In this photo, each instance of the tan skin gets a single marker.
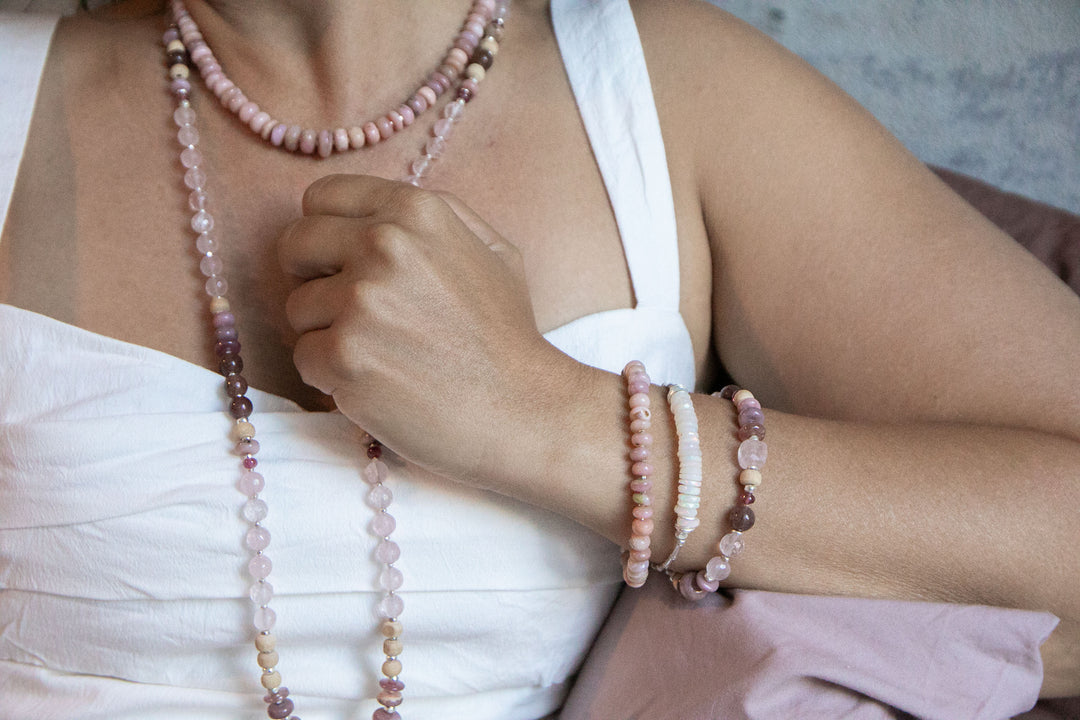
(924, 430)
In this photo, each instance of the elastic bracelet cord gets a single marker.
(751, 457)
(636, 562)
(689, 453)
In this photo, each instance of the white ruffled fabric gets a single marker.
(122, 571)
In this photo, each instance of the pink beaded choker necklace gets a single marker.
(472, 54)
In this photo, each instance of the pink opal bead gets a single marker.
(638, 387)
(641, 439)
(407, 115)
(246, 447)
(200, 53)
(308, 141)
(371, 133)
(639, 454)
(750, 402)
(386, 128)
(384, 714)
(227, 95)
(292, 137)
(688, 590)
(639, 400)
(356, 137)
(638, 542)
(258, 121)
(170, 35)
(247, 111)
(457, 59)
(277, 135)
(180, 87)
(427, 94)
(341, 140)
(325, 141)
(641, 413)
(389, 699)
(642, 526)
(639, 555)
(641, 469)
(396, 120)
(417, 104)
(637, 426)
(639, 485)
(637, 568)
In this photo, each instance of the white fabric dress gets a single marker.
(122, 573)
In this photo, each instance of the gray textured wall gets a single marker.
(990, 88)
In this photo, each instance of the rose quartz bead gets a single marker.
(259, 567)
(341, 140)
(751, 416)
(442, 127)
(257, 538)
(390, 578)
(383, 524)
(184, 116)
(453, 110)
(202, 222)
(717, 568)
(254, 510)
(750, 402)
(261, 592)
(435, 147)
(264, 619)
(211, 265)
(391, 606)
(380, 497)
(277, 135)
(731, 544)
(195, 178)
(376, 471)
(292, 137)
(190, 157)
(754, 430)
(187, 135)
(420, 165)
(752, 454)
(308, 141)
(251, 483)
(387, 551)
(371, 133)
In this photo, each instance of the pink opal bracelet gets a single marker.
(751, 457)
(636, 563)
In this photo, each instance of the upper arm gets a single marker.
(848, 281)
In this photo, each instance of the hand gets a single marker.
(415, 316)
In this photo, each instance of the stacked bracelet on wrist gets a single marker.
(751, 457)
(636, 564)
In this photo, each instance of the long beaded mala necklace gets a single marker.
(465, 64)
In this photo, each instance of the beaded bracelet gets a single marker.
(636, 564)
(689, 453)
(751, 456)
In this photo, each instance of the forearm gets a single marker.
(951, 513)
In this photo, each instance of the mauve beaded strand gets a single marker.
(469, 56)
(231, 365)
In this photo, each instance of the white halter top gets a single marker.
(122, 584)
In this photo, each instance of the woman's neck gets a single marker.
(325, 62)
